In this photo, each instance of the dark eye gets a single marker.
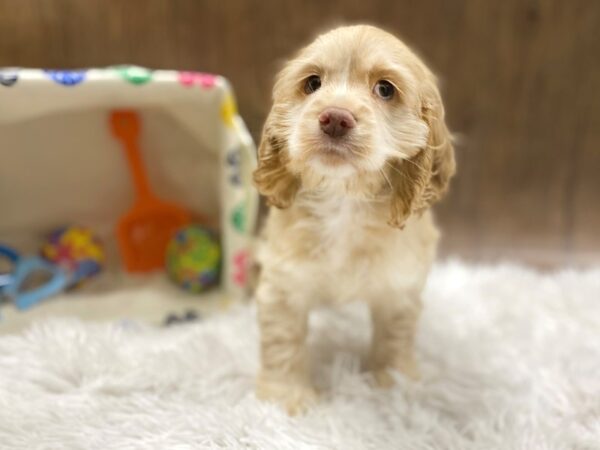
(384, 89)
(313, 83)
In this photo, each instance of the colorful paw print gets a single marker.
(228, 110)
(66, 77)
(204, 80)
(233, 161)
(240, 267)
(238, 218)
(8, 78)
(134, 74)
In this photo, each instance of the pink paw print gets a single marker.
(240, 267)
(205, 80)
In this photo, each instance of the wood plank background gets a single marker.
(520, 80)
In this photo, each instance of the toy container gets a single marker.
(60, 164)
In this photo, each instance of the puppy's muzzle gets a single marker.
(336, 122)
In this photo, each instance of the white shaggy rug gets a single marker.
(510, 360)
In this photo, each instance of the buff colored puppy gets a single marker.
(354, 152)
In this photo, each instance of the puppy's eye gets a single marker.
(384, 89)
(313, 83)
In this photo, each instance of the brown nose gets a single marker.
(336, 122)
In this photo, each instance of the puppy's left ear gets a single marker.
(423, 179)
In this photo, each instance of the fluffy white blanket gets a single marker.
(510, 360)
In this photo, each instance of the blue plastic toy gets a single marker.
(12, 285)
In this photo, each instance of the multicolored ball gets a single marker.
(193, 259)
(77, 250)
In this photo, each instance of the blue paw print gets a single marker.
(8, 77)
(233, 160)
(66, 77)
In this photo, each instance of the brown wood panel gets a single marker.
(520, 79)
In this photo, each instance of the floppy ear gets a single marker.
(423, 179)
(272, 177)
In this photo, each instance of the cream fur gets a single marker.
(352, 222)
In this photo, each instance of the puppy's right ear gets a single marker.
(272, 178)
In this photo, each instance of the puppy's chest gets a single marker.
(339, 234)
(352, 252)
(346, 234)
(345, 250)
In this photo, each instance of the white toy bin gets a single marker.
(60, 164)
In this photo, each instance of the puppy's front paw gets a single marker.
(294, 397)
(383, 378)
(408, 368)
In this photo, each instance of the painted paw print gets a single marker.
(66, 77)
(233, 161)
(8, 78)
(176, 319)
(228, 110)
(238, 217)
(205, 80)
(240, 267)
(134, 74)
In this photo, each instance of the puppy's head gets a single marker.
(358, 109)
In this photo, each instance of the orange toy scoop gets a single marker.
(145, 230)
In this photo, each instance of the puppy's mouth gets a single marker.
(336, 151)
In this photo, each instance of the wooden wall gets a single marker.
(520, 80)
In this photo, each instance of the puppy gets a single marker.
(353, 153)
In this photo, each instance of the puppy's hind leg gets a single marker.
(394, 329)
(284, 376)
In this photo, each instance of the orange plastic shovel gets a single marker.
(144, 231)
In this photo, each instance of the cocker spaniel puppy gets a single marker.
(354, 152)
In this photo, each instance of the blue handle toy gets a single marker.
(12, 257)
(11, 284)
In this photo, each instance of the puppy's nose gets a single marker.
(336, 122)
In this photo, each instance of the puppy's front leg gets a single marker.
(284, 376)
(394, 328)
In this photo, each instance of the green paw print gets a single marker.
(238, 218)
(134, 74)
